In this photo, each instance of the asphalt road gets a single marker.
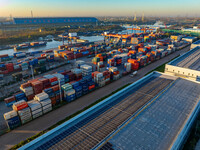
(21, 133)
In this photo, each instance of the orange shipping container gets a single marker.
(132, 61)
(25, 85)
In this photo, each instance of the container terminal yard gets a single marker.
(131, 117)
(41, 123)
(98, 65)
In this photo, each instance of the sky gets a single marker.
(71, 8)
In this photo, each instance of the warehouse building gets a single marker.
(189, 39)
(176, 37)
(195, 44)
(155, 112)
(196, 30)
(186, 66)
(56, 20)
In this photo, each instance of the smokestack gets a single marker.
(143, 16)
(31, 13)
(135, 18)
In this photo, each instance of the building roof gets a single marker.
(189, 37)
(49, 20)
(161, 124)
(190, 60)
(197, 42)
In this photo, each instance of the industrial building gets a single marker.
(195, 44)
(155, 112)
(189, 39)
(176, 37)
(54, 20)
(196, 30)
(186, 66)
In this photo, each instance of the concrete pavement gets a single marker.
(14, 137)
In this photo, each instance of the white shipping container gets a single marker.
(37, 115)
(24, 111)
(45, 102)
(10, 114)
(42, 96)
(36, 111)
(34, 105)
(16, 67)
(47, 110)
(46, 107)
(26, 120)
(102, 83)
(25, 116)
(113, 69)
(72, 34)
(116, 77)
(70, 92)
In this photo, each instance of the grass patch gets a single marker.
(64, 120)
(161, 68)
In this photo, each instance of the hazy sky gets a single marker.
(22, 8)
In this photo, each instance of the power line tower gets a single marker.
(143, 16)
(135, 18)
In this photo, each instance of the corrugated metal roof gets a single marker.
(49, 20)
(190, 60)
(189, 37)
(159, 126)
(197, 42)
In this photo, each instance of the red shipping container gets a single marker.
(10, 67)
(33, 80)
(106, 73)
(41, 58)
(95, 73)
(91, 87)
(30, 97)
(45, 82)
(68, 71)
(25, 85)
(9, 99)
(37, 87)
(4, 72)
(43, 55)
(55, 88)
(53, 79)
(20, 106)
(78, 78)
(4, 55)
(72, 82)
(63, 73)
(19, 69)
(71, 76)
(53, 100)
(57, 97)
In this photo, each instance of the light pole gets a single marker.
(62, 39)
(95, 50)
(32, 71)
(74, 56)
(60, 90)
